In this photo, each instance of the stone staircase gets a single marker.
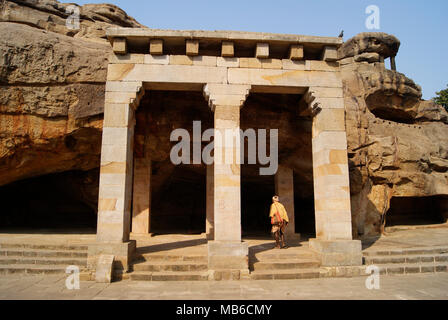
(283, 264)
(169, 267)
(405, 261)
(31, 259)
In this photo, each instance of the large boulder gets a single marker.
(370, 44)
(52, 81)
(398, 143)
(53, 16)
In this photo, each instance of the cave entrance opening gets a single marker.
(256, 199)
(179, 205)
(279, 111)
(305, 221)
(414, 211)
(55, 203)
(177, 192)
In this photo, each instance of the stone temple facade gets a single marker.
(226, 68)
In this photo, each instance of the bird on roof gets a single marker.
(341, 35)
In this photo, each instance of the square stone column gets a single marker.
(141, 204)
(210, 194)
(284, 188)
(331, 180)
(115, 192)
(116, 173)
(227, 254)
(227, 191)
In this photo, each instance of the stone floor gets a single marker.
(418, 286)
(196, 244)
(415, 286)
(409, 238)
(48, 236)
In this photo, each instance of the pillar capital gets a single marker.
(226, 94)
(308, 106)
(129, 93)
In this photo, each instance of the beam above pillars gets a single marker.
(296, 52)
(120, 46)
(228, 49)
(192, 47)
(330, 53)
(156, 47)
(262, 50)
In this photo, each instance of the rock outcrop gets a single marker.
(52, 81)
(398, 143)
(51, 15)
(370, 44)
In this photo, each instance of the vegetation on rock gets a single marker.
(442, 98)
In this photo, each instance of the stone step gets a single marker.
(161, 266)
(405, 259)
(410, 251)
(275, 256)
(414, 268)
(42, 253)
(169, 276)
(43, 261)
(43, 246)
(285, 274)
(32, 269)
(283, 264)
(170, 257)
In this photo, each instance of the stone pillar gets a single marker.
(331, 181)
(393, 65)
(284, 188)
(115, 190)
(141, 204)
(227, 195)
(210, 194)
(227, 254)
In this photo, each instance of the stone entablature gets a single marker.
(223, 43)
(280, 76)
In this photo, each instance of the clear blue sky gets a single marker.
(421, 26)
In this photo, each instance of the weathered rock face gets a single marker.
(370, 44)
(52, 83)
(52, 16)
(398, 144)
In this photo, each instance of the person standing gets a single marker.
(279, 222)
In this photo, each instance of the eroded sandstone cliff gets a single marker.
(398, 143)
(52, 82)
